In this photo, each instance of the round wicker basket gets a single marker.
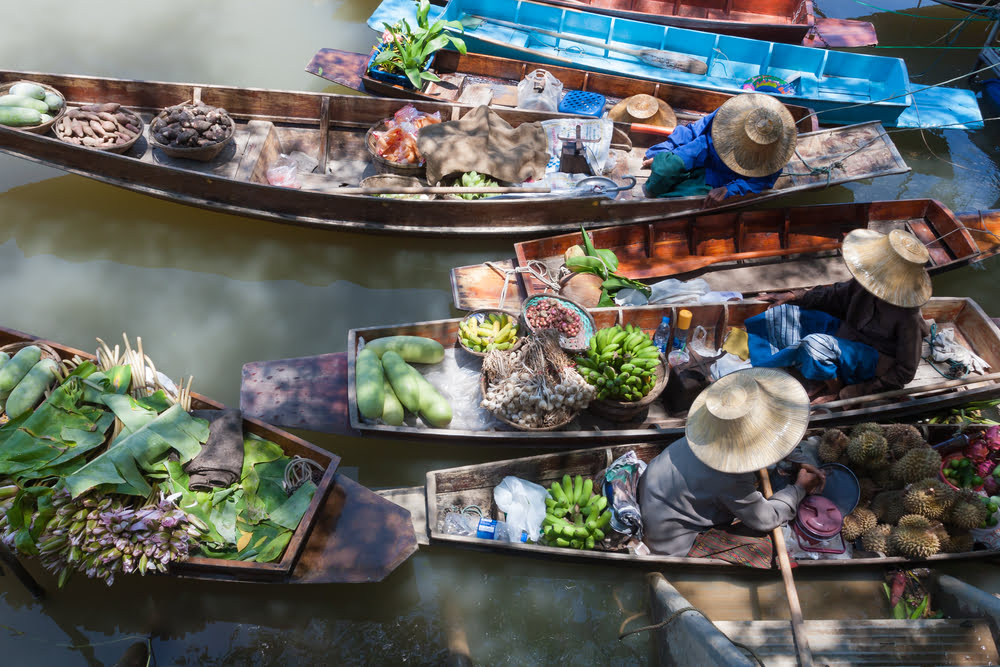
(47, 351)
(521, 427)
(383, 166)
(481, 314)
(41, 128)
(200, 153)
(623, 411)
(588, 327)
(114, 148)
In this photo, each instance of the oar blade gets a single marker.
(668, 60)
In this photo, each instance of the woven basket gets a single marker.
(200, 153)
(383, 166)
(519, 427)
(588, 327)
(41, 128)
(484, 312)
(47, 351)
(623, 411)
(116, 148)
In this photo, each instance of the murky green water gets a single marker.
(210, 292)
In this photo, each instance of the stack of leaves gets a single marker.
(603, 263)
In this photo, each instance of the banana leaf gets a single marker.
(289, 513)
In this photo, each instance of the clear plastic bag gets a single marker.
(539, 91)
(284, 173)
(621, 481)
(524, 504)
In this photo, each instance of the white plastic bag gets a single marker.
(539, 91)
(524, 503)
(672, 290)
(284, 173)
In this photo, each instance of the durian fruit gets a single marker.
(902, 438)
(888, 506)
(967, 512)
(877, 539)
(928, 497)
(914, 537)
(885, 481)
(856, 523)
(868, 489)
(832, 445)
(917, 464)
(858, 429)
(868, 449)
(958, 542)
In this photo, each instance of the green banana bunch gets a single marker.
(621, 363)
(970, 413)
(575, 517)
(496, 331)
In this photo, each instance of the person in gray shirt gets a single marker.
(741, 423)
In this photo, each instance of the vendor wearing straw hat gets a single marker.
(855, 337)
(739, 148)
(692, 492)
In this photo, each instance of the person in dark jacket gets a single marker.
(739, 148)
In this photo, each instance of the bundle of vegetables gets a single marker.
(971, 413)
(535, 385)
(27, 104)
(575, 516)
(385, 383)
(24, 379)
(586, 258)
(978, 463)
(621, 363)
(473, 179)
(488, 332)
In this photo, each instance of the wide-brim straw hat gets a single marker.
(748, 420)
(754, 134)
(644, 109)
(890, 266)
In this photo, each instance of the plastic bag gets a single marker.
(621, 481)
(524, 503)
(672, 290)
(727, 364)
(284, 172)
(539, 91)
(596, 134)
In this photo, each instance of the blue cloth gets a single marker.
(693, 144)
(789, 336)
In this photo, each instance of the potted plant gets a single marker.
(406, 52)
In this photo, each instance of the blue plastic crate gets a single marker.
(583, 103)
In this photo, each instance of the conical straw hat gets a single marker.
(754, 134)
(890, 266)
(748, 420)
(644, 109)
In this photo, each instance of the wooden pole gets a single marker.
(794, 609)
(906, 391)
(14, 565)
(439, 190)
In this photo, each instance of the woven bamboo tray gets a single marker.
(41, 128)
(481, 314)
(588, 327)
(383, 166)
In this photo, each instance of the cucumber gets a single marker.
(24, 102)
(411, 348)
(434, 408)
(19, 116)
(369, 384)
(18, 366)
(4, 357)
(28, 89)
(403, 379)
(392, 409)
(31, 388)
(54, 102)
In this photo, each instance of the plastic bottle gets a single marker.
(681, 330)
(492, 529)
(661, 337)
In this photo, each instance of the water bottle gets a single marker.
(661, 337)
(681, 330)
(492, 529)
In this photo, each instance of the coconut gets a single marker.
(917, 464)
(928, 497)
(902, 438)
(858, 522)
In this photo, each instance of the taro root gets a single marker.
(98, 125)
(192, 126)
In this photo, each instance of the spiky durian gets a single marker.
(868, 449)
(832, 445)
(928, 497)
(885, 481)
(917, 464)
(914, 537)
(877, 539)
(888, 506)
(858, 429)
(967, 512)
(868, 489)
(902, 438)
(858, 522)
(958, 542)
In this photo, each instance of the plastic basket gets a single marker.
(583, 103)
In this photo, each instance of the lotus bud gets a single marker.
(143, 564)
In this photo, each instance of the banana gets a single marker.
(560, 542)
(567, 484)
(648, 353)
(619, 337)
(589, 542)
(557, 492)
(598, 535)
(577, 490)
(588, 491)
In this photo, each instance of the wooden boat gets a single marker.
(788, 21)
(748, 252)
(349, 534)
(842, 87)
(467, 76)
(317, 393)
(473, 485)
(331, 129)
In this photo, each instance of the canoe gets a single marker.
(331, 129)
(318, 393)
(349, 534)
(473, 485)
(748, 252)
(791, 21)
(842, 87)
(463, 76)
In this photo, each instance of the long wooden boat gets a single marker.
(842, 87)
(748, 252)
(465, 76)
(331, 129)
(473, 485)
(349, 534)
(317, 393)
(788, 21)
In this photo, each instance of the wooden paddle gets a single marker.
(694, 263)
(794, 609)
(438, 190)
(654, 57)
(906, 391)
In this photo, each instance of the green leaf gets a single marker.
(586, 264)
(919, 611)
(289, 513)
(588, 246)
(413, 74)
(273, 549)
(120, 377)
(609, 258)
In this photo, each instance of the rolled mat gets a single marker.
(221, 459)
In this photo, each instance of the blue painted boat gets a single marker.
(844, 88)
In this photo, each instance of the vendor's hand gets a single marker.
(777, 298)
(715, 197)
(853, 391)
(647, 163)
(811, 478)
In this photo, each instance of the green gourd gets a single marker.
(14, 370)
(404, 380)
(31, 388)
(410, 348)
(434, 408)
(369, 384)
(392, 409)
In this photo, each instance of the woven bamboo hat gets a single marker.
(890, 266)
(748, 420)
(644, 109)
(754, 134)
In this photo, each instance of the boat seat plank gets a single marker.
(252, 167)
(939, 254)
(413, 499)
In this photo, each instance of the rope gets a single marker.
(918, 16)
(297, 472)
(535, 267)
(677, 613)
(828, 168)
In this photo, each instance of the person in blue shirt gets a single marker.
(738, 149)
